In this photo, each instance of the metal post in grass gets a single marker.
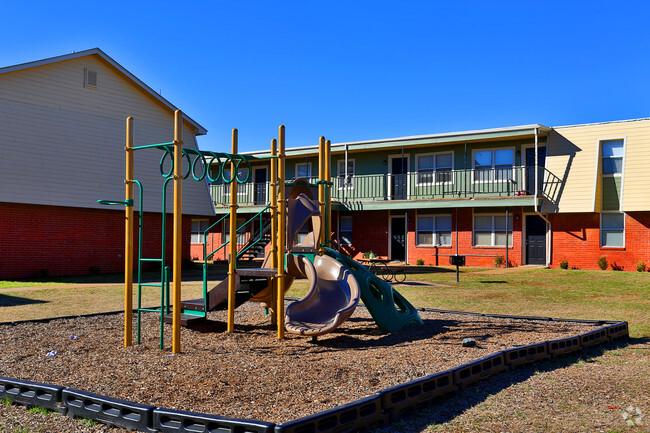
(178, 230)
(128, 235)
(282, 236)
(233, 234)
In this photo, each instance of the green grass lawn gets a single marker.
(574, 294)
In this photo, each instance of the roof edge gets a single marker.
(449, 135)
(96, 51)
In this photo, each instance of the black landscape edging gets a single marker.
(178, 421)
(108, 410)
(358, 415)
(32, 394)
(385, 407)
(402, 398)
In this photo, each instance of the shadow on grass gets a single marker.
(443, 411)
(12, 301)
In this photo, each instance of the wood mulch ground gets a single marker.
(249, 373)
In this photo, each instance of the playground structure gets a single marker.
(336, 281)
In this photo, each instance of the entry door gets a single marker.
(535, 240)
(398, 170)
(260, 186)
(397, 239)
(530, 169)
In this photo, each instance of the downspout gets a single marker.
(549, 242)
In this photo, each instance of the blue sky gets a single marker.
(359, 70)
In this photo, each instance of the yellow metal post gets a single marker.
(178, 229)
(128, 237)
(282, 235)
(328, 192)
(232, 260)
(274, 227)
(321, 190)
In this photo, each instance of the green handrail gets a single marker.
(261, 234)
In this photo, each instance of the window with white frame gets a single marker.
(90, 78)
(494, 165)
(434, 167)
(198, 227)
(434, 230)
(345, 230)
(612, 229)
(490, 231)
(303, 170)
(612, 157)
(342, 180)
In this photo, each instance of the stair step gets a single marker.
(257, 272)
(186, 319)
(194, 304)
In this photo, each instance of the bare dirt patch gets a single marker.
(249, 373)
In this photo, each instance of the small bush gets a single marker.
(564, 264)
(419, 262)
(641, 266)
(499, 261)
(369, 255)
(602, 263)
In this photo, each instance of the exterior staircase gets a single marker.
(257, 243)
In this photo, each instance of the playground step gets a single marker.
(193, 304)
(258, 272)
(186, 319)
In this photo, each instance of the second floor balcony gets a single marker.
(376, 189)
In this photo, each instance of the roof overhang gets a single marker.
(495, 134)
(97, 52)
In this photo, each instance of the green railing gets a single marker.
(421, 185)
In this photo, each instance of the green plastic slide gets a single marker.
(390, 310)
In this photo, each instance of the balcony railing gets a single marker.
(421, 185)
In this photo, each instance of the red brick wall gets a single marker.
(369, 233)
(428, 254)
(56, 240)
(576, 239)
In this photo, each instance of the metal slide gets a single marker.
(332, 297)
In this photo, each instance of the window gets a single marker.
(493, 165)
(198, 227)
(241, 235)
(612, 157)
(343, 181)
(612, 230)
(434, 168)
(303, 169)
(434, 230)
(90, 78)
(345, 230)
(490, 230)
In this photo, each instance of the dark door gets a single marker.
(535, 240)
(530, 169)
(398, 179)
(260, 186)
(397, 239)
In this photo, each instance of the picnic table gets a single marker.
(380, 268)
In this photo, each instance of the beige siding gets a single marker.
(574, 156)
(63, 144)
